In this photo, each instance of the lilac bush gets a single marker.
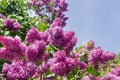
(46, 51)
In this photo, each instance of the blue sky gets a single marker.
(97, 20)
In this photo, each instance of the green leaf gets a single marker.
(72, 74)
(93, 71)
(4, 2)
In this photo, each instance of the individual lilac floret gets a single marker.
(19, 71)
(106, 56)
(13, 48)
(11, 25)
(35, 51)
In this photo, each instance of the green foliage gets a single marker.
(19, 11)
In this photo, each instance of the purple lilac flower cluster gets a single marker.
(62, 65)
(97, 55)
(13, 49)
(62, 39)
(11, 25)
(19, 70)
(52, 9)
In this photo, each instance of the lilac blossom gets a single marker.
(33, 34)
(11, 25)
(35, 51)
(19, 70)
(62, 65)
(95, 56)
(106, 56)
(13, 48)
(62, 39)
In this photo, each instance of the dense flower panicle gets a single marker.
(95, 56)
(59, 68)
(32, 53)
(11, 25)
(19, 70)
(60, 55)
(32, 35)
(10, 55)
(35, 51)
(70, 45)
(61, 39)
(56, 36)
(71, 63)
(62, 65)
(106, 56)
(13, 48)
(13, 44)
(68, 35)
